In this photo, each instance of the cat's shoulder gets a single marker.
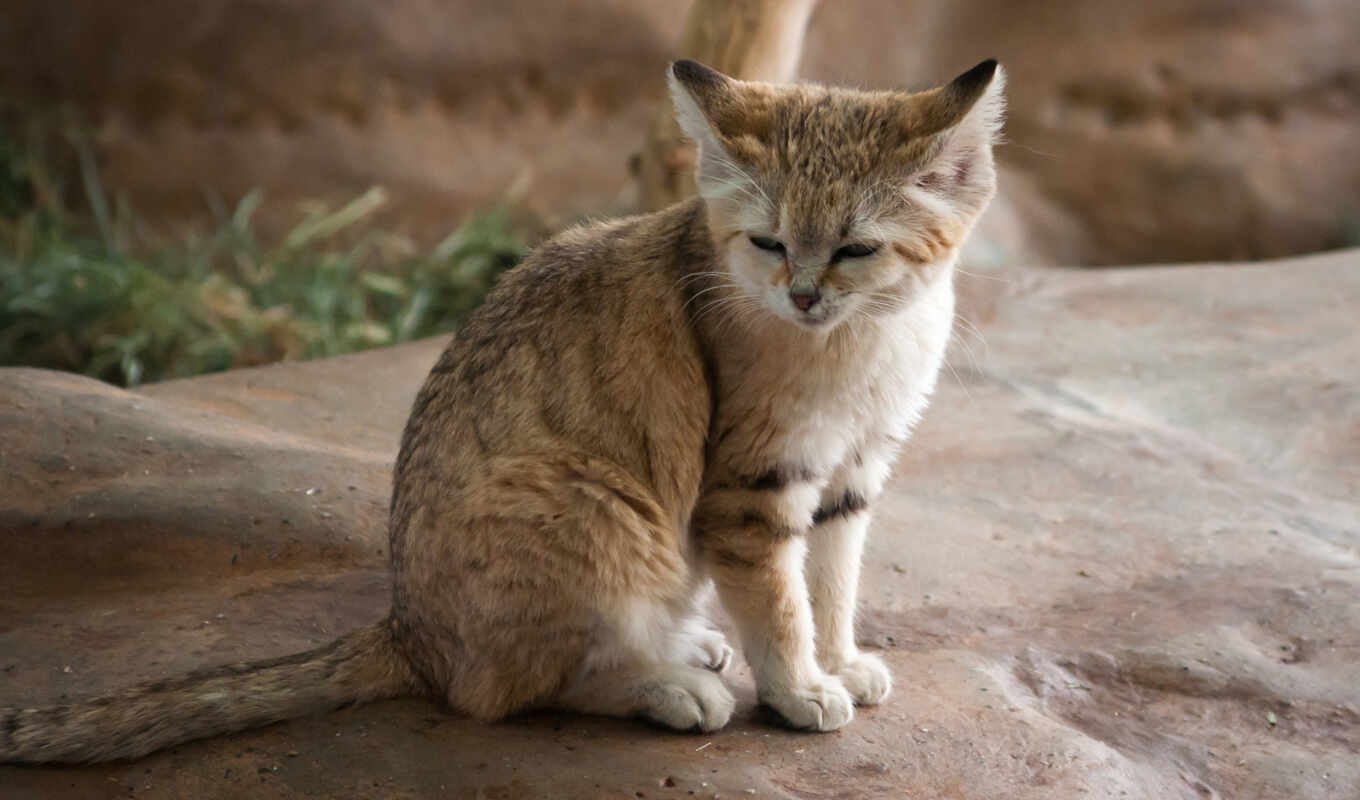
(666, 239)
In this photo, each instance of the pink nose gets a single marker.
(805, 298)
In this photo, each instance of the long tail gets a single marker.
(361, 666)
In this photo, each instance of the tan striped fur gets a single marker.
(643, 409)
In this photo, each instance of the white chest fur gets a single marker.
(870, 381)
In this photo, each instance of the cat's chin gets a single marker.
(811, 324)
(814, 324)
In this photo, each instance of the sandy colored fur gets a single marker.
(629, 417)
(638, 410)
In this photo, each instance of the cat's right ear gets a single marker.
(708, 110)
(699, 93)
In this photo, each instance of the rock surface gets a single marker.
(1119, 559)
(1167, 130)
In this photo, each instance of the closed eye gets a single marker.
(766, 243)
(856, 250)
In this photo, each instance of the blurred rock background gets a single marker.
(1169, 130)
(1120, 556)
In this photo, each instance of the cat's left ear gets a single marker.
(962, 120)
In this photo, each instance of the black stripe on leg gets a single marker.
(750, 519)
(723, 557)
(849, 503)
(755, 519)
(775, 478)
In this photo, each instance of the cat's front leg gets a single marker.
(753, 542)
(835, 549)
(835, 545)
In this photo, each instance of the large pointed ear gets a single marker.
(712, 111)
(697, 92)
(960, 122)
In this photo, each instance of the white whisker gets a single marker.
(984, 276)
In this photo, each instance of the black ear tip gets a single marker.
(978, 76)
(692, 73)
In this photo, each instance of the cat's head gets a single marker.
(830, 203)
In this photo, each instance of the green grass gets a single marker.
(79, 293)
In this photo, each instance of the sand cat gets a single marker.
(713, 394)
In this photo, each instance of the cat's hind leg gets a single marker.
(655, 660)
(678, 696)
(694, 641)
(565, 587)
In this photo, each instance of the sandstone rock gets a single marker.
(1158, 131)
(448, 105)
(1118, 557)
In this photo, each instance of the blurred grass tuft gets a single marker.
(77, 295)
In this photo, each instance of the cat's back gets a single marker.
(592, 282)
(585, 346)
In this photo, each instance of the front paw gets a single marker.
(822, 704)
(867, 679)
